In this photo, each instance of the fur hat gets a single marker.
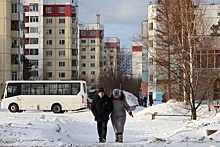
(116, 92)
(101, 90)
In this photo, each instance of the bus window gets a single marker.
(64, 89)
(37, 89)
(13, 90)
(75, 88)
(50, 89)
(25, 89)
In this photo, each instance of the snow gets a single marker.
(78, 128)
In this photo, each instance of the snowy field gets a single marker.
(78, 128)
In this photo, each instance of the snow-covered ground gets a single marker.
(78, 128)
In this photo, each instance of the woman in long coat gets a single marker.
(118, 115)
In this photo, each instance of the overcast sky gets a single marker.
(121, 18)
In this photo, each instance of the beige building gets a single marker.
(10, 40)
(90, 50)
(51, 38)
(110, 55)
(136, 59)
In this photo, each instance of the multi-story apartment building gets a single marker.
(11, 41)
(90, 51)
(110, 55)
(211, 16)
(50, 37)
(126, 61)
(137, 59)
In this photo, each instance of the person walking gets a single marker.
(101, 108)
(145, 101)
(151, 100)
(118, 115)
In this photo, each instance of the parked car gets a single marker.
(89, 102)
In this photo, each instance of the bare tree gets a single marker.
(180, 39)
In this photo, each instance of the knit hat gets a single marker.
(101, 90)
(116, 92)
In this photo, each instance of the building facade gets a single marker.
(11, 41)
(136, 59)
(50, 38)
(211, 16)
(90, 51)
(126, 61)
(110, 55)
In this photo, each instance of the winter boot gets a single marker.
(120, 138)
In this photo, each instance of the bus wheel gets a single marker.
(13, 108)
(56, 108)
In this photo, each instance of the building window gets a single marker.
(73, 62)
(92, 41)
(83, 57)
(92, 72)
(48, 31)
(14, 76)
(73, 19)
(61, 31)
(14, 8)
(33, 51)
(61, 53)
(111, 63)
(73, 9)
(73, 41)
(25, 10)
(83, 65)
(92, 65)
(83, 49)
(93, 49)
(34, 7)
(49, 74)
(62, 9)
(92, 33)
(92, 80)
(83, 41)
(48, 10)
(83, 33)
(33, 40)
(61, 20)
(61, 42)
(151, 78)
(33, 18)
(111, 44)
(48, 63)
(49, 42)
(151, 61)
(151, 26)
(34, 62)
(33, 30)
(111, 51)
(92, 57)
(151, 43)
(83, 72)
(61, 75)
(49, 21)
(48, 53)
(62, 64)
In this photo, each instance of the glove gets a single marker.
(130, 113)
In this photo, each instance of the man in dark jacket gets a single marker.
(101, 107)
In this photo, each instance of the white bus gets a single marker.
(56, 96)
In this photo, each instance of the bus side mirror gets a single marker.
(2, 96)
